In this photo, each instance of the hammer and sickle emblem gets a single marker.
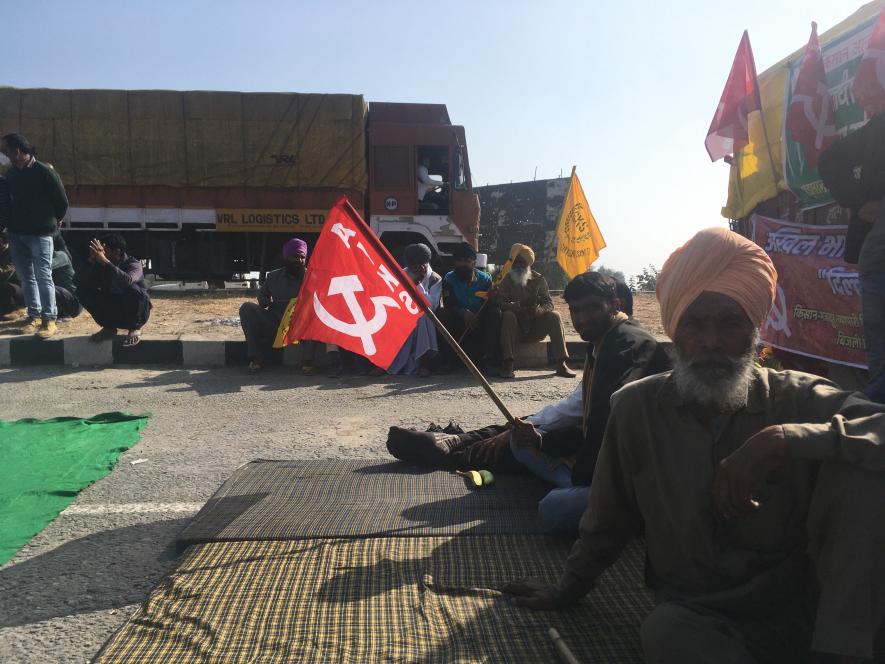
(361, 328)
(777, 319)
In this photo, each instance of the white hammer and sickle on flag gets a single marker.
(361, 328)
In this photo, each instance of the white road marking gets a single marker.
(134, 508)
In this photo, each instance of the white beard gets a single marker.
(721, 381)
(520, 278)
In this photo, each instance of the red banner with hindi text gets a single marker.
(817, 306)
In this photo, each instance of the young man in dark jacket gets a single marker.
(38, 204)
(113, 290)
(561, 442)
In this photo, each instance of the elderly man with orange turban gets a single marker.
(760, 494)
(527, 311)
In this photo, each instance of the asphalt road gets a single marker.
(67, 591)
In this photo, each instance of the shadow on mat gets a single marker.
(400, 467)
(104, 570)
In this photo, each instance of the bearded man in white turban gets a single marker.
(760, 494)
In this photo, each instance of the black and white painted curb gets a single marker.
(192, 351)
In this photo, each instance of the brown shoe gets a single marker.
(424, 448)
(31, 326)
(47, 329)
(563, 370)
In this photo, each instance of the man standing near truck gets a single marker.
(862, 190)
(38, 204)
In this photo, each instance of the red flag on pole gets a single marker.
(810, 116)
(354, 294)
(869, 82)
(728, 132)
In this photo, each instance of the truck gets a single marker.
(208, 185)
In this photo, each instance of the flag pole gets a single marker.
(421, 301)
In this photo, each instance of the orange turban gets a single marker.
(720, 261)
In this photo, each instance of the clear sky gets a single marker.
(623, 90)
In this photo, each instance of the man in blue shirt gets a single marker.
(464, 293)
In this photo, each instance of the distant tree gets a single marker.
(617, 275)
(647, 281)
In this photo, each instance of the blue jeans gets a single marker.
(32, 257)
(872, 286)
(562, 508)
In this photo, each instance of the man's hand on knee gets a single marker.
(525, 434)
(746, 467)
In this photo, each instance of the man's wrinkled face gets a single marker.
(464, 267)
(295, 263)
(715, 344)
(592, 315)
(519, 271)
(419, 270)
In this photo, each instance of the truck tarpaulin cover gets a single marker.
(195, 139)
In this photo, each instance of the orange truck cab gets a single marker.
(403, 139)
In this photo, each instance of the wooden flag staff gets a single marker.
(421, 301)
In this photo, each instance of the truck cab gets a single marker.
(406, 144)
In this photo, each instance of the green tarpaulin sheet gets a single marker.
(44, 464)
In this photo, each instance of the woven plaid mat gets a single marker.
(281, 500)
(397, 599)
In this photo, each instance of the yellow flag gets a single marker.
(577, 235)
(280, 340)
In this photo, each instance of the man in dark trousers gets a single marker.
(854, 171)
(560, 443)
(38, 204)
(11, 297)
(261, 321)
(465, 291)
(113, 290)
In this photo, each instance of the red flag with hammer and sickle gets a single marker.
(729, 131)
(869, 81)
(810, 116)
(354, 294)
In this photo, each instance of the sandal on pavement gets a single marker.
(131, 340)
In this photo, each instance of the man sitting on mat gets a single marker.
(560, 443)
(113, 290)
(760, 494)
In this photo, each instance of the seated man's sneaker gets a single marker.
(426, 448)
(47, 329)
(31, 326)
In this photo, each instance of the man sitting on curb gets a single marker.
(113, 290)
(12, 298)
(466, 313)
(65, 289)
(742, 480)
(560, 443)
(261, 321)
(527, 312)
